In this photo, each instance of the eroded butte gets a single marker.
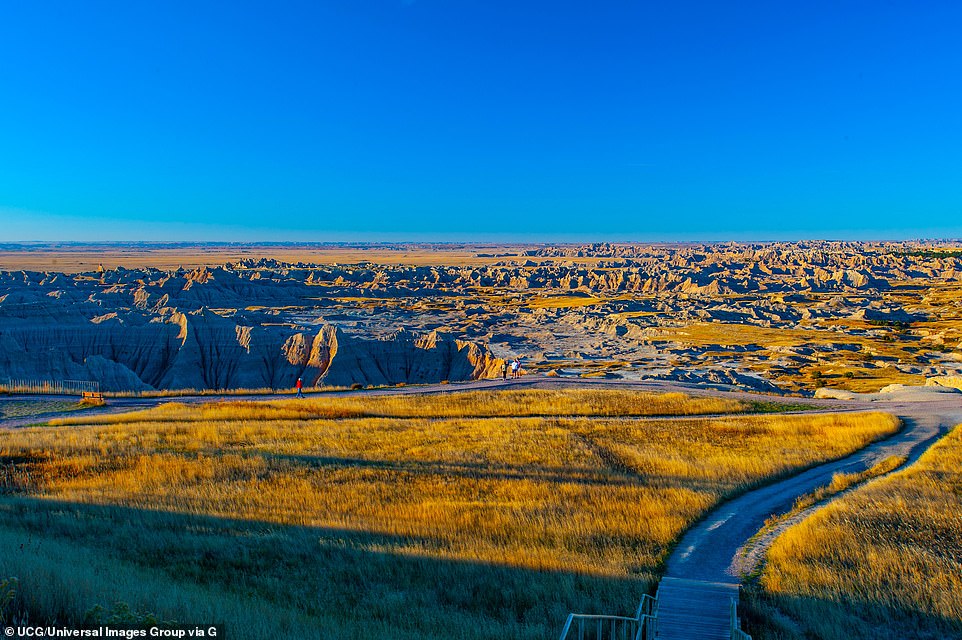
(782, 317)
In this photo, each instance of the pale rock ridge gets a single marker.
(295, 350)
(323, 349)
(133, 348)
(244, 337)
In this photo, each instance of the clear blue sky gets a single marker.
(478, 119)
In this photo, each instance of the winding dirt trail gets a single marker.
(710, 550)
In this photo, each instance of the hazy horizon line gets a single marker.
(487, 241)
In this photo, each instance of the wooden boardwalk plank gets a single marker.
(695, 610)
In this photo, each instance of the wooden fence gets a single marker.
(88, 389)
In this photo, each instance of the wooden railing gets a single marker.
(582, 626)
(595, 627)
(736, 628)
(647, 607)
(85, 388)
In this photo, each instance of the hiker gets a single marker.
(514, 368)
(504, 370)
(299, 385)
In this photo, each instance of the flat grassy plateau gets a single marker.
(473, 515)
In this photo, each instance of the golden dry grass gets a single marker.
(706, 334)
(563, 302)
(845, 481)
(855, 360)
(864, 380)
(882, 562)
(840, 483)
(509, 403)
(438, 526)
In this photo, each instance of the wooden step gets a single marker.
(695, 610)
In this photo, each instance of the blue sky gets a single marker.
(463, 119)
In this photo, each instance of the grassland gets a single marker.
(564, 302)
(507, 404)
(883, 562)
(28, 407)
(469, 515)
(863, 362)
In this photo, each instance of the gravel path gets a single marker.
(710, 550)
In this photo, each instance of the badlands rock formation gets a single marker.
(760, 316)
(121, 329)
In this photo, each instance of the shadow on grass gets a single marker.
(784, 617)
(321, 571)
(16, 470)
(616, 477)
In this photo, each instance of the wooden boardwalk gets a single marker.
(695, 609)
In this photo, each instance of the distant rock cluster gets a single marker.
(263, 323)
(203, 329)
(698, 269)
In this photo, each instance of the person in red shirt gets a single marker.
(299, 385)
